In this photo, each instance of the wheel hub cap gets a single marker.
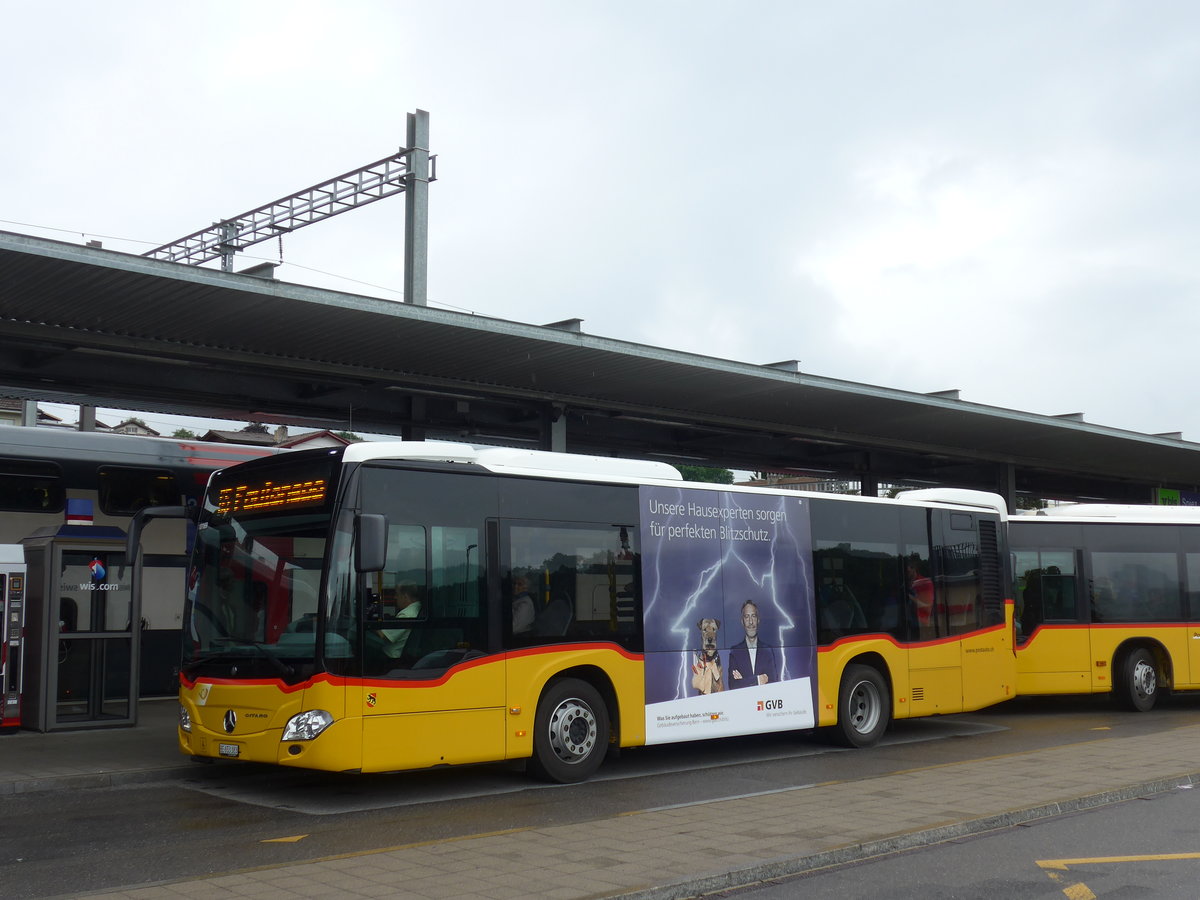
(572, 731)
(1145, 681)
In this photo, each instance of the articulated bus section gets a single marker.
(1108, 600)
(399, 606)
(1088, 659)
(932, 678)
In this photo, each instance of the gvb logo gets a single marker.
(769, 704)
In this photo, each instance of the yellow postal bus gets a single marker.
(390, 606)
(1108, 601)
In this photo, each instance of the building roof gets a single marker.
(138, 426)
(309, 437)
(85, 325)
(10, 404)
(252, 438)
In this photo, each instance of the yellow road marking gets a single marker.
(1073, 891)
(285, 840)
(1078, 890)
(1083, 861)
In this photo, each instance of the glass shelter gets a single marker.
(82, 627)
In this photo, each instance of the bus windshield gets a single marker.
(255, 577)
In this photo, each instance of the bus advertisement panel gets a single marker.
(728, 613)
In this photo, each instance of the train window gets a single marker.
(31, 486)
(124, 489)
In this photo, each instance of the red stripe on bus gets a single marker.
(909, 645)
(364, 681)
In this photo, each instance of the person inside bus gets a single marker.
(751, 662)
(258, 610)
(1032, 612)
(840, 610)
(524, 610)
(919, 590)
(1116, 602)
(407, 606)
(1129, 595)
(243, 605)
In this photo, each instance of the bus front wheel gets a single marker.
(864, 707)
(1137, 687)
(570, 734)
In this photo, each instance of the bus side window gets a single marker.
(1136, 587)
(576, 581)
(861, 584)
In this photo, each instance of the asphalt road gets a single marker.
(1149, 847)
(221, 818)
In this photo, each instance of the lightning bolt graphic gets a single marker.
(693, 577)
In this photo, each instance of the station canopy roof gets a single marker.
(91, 326)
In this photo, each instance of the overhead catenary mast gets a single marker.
(409, 171)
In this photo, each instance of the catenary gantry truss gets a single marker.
(408, 170)
(380, 179)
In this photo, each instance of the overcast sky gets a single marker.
(994, 197)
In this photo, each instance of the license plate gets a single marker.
(229, 749)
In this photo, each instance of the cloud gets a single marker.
(994, 197)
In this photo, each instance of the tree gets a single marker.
(706, 473)
(183, 433)
(348, 435)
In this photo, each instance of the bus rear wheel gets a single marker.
(1137, 688)
(570, 734)
(864, 707)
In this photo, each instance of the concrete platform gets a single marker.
(657, 854)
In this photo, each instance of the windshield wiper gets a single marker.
(278, 664)
(233, 652)
(201, 658)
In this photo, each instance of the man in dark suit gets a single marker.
(750, 663)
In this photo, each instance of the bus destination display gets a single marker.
(271, 496)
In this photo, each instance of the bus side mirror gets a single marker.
(370, 542)
(133, 540)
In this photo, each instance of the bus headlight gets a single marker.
(306, 725)
(185, 719)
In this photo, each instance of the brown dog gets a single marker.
(707, 677)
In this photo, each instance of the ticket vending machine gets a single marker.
(82, 630)
(12, 633)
